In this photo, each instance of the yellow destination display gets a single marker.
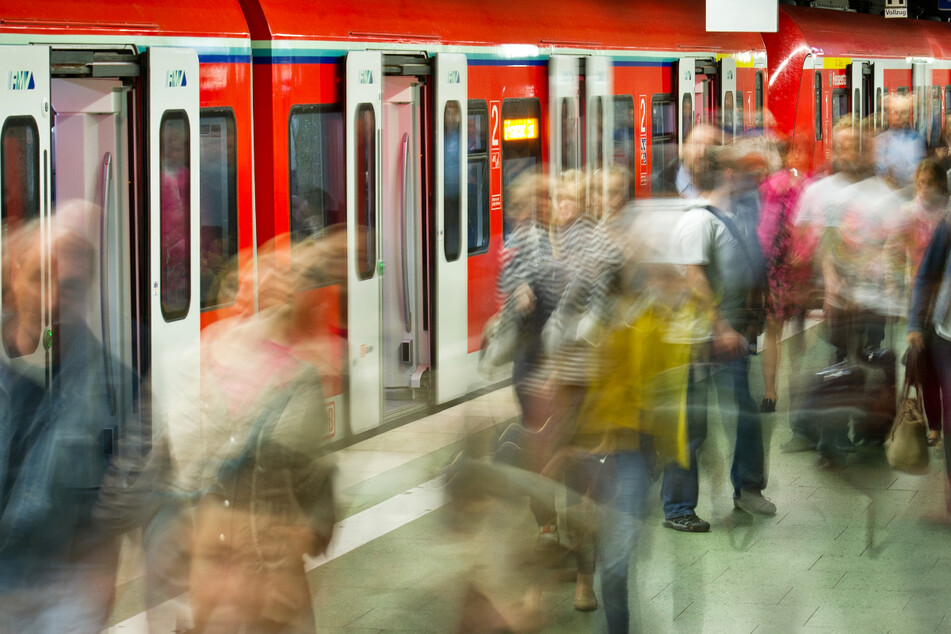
(519, 129)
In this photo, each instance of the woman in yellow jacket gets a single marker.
(633, 415)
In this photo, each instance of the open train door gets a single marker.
(451, 221)
(564, 115)
(363, 133)
(25, 174)
(599, 117)
(727, 72)
(686, 83)
(174, 202)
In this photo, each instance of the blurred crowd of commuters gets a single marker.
(627, 316)
(629, 313)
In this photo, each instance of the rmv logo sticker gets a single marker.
(366, 76)
(454, 77)
(20, 80)
(176, 79)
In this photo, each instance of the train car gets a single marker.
(823, 71)
(362, 112)
(139, 117)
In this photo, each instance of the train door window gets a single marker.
(624, 152)
(878, 107)
(20, 159)
(817, 85)
(947, 101)
(728, 112)
(740, 113)
(759, 99)
(569, 135)
(175, 214)
(598, 158)
(478, 173)
(686, 116)
(663, 145)
(935, 136)
(366, 189)
(521, 148)
(840, 104)
(318, 178)
(452, 179)
(856, 105)
(218, 236)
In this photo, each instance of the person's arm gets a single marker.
(926, 281)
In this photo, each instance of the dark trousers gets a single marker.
(731, 378)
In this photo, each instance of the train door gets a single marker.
(599, 118)
(406, 350)
(92, 170)
(857, 88)
(363, 129)
(451, 224)
(564, 114)
(921, 98)
(24, 171)
(686, 70)
(727, 80)
(173, 166)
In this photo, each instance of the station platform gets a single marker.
(862, 549)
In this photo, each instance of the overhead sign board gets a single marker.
(944, 5)
(896, 8)
(757, 16)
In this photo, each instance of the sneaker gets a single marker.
(797, 444)
(547, 537)
(754, 502)
(687, 524)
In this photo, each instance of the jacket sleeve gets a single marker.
(928, 278)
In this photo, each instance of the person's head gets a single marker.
(931, 183)
(845, 146)
(702, 136)
(899, 111)
(570, 198)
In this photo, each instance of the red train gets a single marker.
(282, 120)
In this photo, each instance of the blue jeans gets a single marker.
(941, 355)
(623, 486)
(748, 473)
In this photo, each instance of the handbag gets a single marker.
(499, 340)
(907, 445)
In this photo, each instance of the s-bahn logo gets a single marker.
(366, 76)
(20, 80)
(176, 79)
(454, 77)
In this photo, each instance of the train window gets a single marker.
(840, 104)
(366, 190)
(478, 174)
(218, 236)
(686, 116)
(728, 112)
(947, 101)
(452, 180)
(817, 85)
(856, 105)
(759, 99)
(624, 152)
(740, 113)
(175, 214)
(318, 178)
(20, 160)
(520, 153)
(663, 145)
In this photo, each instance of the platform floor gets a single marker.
(857, 550)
